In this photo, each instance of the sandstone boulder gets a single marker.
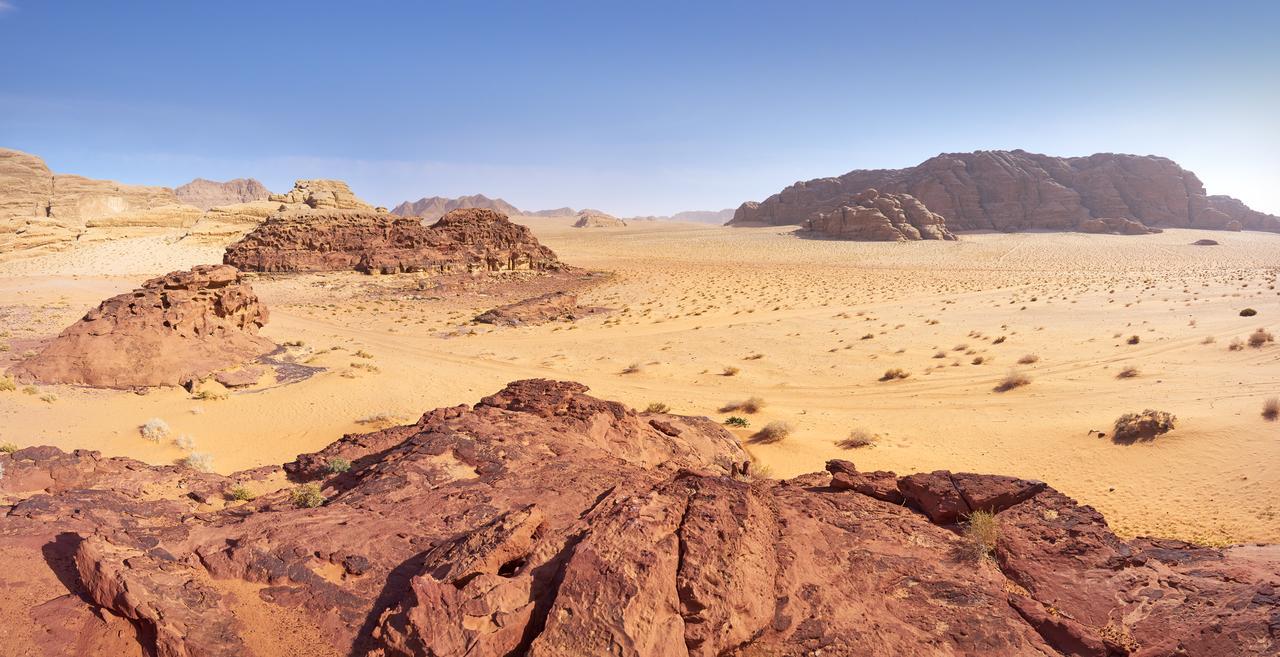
(205, 194)
(872, 216)
(376, 242)
(1115, 226)
(1017, 190)
(321, 194)
(174, 328)
(555, 306)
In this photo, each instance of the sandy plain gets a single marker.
(809, 326)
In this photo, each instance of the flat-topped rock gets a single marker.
(467, 240)
(872, 216)
(206, 194)
(181, 326)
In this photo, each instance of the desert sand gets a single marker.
(706, 316)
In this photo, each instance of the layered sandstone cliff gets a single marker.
(181, 326)
(872, 216)
(376, 242)
(546, 522)
(1017, 190)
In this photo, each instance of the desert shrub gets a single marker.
(631, 369)
(1236, 344)
(1208, 339)
(999, 340)
(978, 360)
(1248, 312)
(241, 494)
(749, 405)
(48, 398)
(1143, 426)
(307, 496)
(361, 353)
(30, 390)
(7, 384)
(379, 420)
(981, 531)
(1127, 373)
(209, 395)
(895, 373)
(1133, 339)
(8, 448)
(338, 465)
(774, 432)
(730, 371)
(657, 407)
(1028, 359)
(1260, 337)
(739, 422)
(154, 429)
(1270, 409)
(858, 438)
(1014, 379)
(754, 357)
(202, 461)
(185, 442)
(939, 354)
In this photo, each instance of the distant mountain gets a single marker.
(555, 212)
(717, 217)
(205, 194)
(437, 206)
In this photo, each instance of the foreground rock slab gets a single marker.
(872, 216)
(544, 521)
(175, 328)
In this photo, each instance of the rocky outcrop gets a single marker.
(205, 194)
(1115, 226)
(1017, 190)
(438, 206)
(41, 211)
(597, 219)
(872, 216)
(543, 521)
(552, 307)
(555, 212)
(321, 194)
(178, 327)
(375, 242)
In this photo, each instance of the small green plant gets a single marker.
(209, 395)
(657, 407)
(981, 531)
(739, 422)
(30, 390)
(308, 496)
(7, 384)
(338, 465)
(1248, 312)
(240, 493)
(8, 448)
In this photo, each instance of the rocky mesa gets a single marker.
(438, 206)
(376, 242)
(1017, 190)
(872, 216)
(206, 194)
(181, 326)
(546, 522)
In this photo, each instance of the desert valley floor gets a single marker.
(702, 317)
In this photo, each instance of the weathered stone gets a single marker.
(872, 216)
(206, 194)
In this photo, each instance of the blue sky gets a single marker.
(636, 107)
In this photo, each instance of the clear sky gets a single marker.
(631, 107)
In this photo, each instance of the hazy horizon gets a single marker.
(634, 110)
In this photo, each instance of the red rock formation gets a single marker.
(597, 219)
(376, 242)
(543, 521)
(872, 216)
(1017, 190)
(438, 206)
(555, 306)
(177, 327)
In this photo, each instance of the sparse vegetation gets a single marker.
(1248, 312)
(631, 369)
(858, 438)
(1014, 379)
(240, 493)
(1270, 409)
(209, 395)
(185, 442)
(774, 432)
(739, 422)
(1127, 373)
(895, 373)
(1236, 344)
(7, 384)
(730, 371)
(48, 398)
(751, 405)
(1133, 339)
(981, 531)
(361, 353)
(1028, 359)
(657, 407)
(1260, 337)
(8, 448)
(202, 461)
(307, 496)
(1144, 426)
(379, 420)
(338, 465)
(154, 429)
(978, 360)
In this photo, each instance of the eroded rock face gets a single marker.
(872, 216)
(597, 219)
(377, 242)
(543, 521)
(174, 328)
(42, 211)
(1017, 190)
(321, 194)
(551, 307)
(437, 206)
(205, 194)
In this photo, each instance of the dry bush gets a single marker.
(8, 448)
(774, 432)
(1236, 345)
(1271, 408)
(750, 405)
(858, 438)
(981, 531)
(730, 371)
(202, 461)
(1014, 379)
(894, 373)
(1133, 339)
(154, 429)
(940, 354)
(978, 360)
(1028, 359)
(631, 369)
(1127, 373)
(657, 407)
(1260, 337)
(1248, 312)
(380, 420)
(1144, 426)
(186, 442)
(1208, 339)
(999, 340)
